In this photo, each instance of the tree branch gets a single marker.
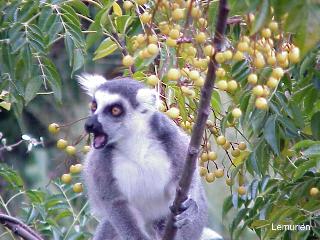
(199, 127)
(19, 228)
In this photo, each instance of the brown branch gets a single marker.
(199, 127)
(19, 228)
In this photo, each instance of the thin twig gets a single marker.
(199, 127)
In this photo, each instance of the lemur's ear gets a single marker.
(90, 83)
(148, 98)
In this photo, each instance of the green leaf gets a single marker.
(270, 134)
(123, 22)
(216, 101)
(5, 105)
(32, 88)
(116, 9)
(261, 17)
(313, 151)
(106, 48)
(79, 7)
(304, 144)
(315, 125)
(227, 205)
(303, 168)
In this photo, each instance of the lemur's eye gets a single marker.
(93, 106)
(116, 110)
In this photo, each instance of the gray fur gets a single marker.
(121, 216)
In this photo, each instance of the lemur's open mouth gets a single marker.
(99, 140)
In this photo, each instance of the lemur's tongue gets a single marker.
(99, 140)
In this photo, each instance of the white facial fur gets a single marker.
(90, 83)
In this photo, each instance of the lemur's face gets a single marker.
(109, 113)
(119, 108)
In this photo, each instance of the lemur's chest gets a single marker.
(143, 172)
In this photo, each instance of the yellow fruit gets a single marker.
(145, 17)
(266, 33)
(221, 140)
(141, 39)
(258, 90)
(314, 191)
(76, 168)
(86, 149)
(174, 74)
(282, 56)
(242, 190)
(273, 25)
(54, 128)
(194, 75)
(261, 103)
(232, 86)
(141, 2)
(243, 46)
(195, 12)
(62, 144)
(235, 152)
(272, 82)
(222, 85)
(236, 113)
(294, 55)
(271, 60)
(153, 49)
(212, 155)
(208, 50)
(191, 51)
(199, 82)
(128, 61)
(203, 171)
(277, 73)
(220, 72)
(173, 113)
(229, 181)
(174, 34)
(210, 177)
(171, 42)
(204, 157)
(219, 57)
(219, 173)
(227, 55)
(226, 146)
(153, 39)
(152, 80)
(201, 37)
(70, 150)
(252, 78)
(203, 22)
(242, 146)
(66, 178)
(77, 187)
(259, 61)
(127, 5)
(178, 14)
(238, 56)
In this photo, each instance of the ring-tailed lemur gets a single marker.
(133, 169)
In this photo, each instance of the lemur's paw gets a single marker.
(187, 211)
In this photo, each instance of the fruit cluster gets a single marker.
(178, 30)
(71, 151)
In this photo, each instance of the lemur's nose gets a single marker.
(92, 124)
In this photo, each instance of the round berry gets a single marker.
(62, 144)
(201, 37)
(86, 149)
(294, 55)
(77, 187)
(174, 34)
(153, 80)
(221, 140)
(277, 73)
(261, 103)
(145, 17)
(220, 72)
(194, 75)
(227, 55)
(273, 25)
(242, 146)
(238, 56)
(236, 113)
(208, 50)
(203, 171)
(66, 178)
(232, 85)
(258, 90)
(314, 191)
(212, 155)
(235, 152)
(272, 82)
(128, 61)
(70, 150)
(252, 78)
(222, 85)
(171, 42)
(219, 57)
(229, 181)
(174, 74)
(173, 113)
(242, 190)
(178, 14)
(266, 33)
(127, 5)
(210, 177)
(219, 173)
(54, 128)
